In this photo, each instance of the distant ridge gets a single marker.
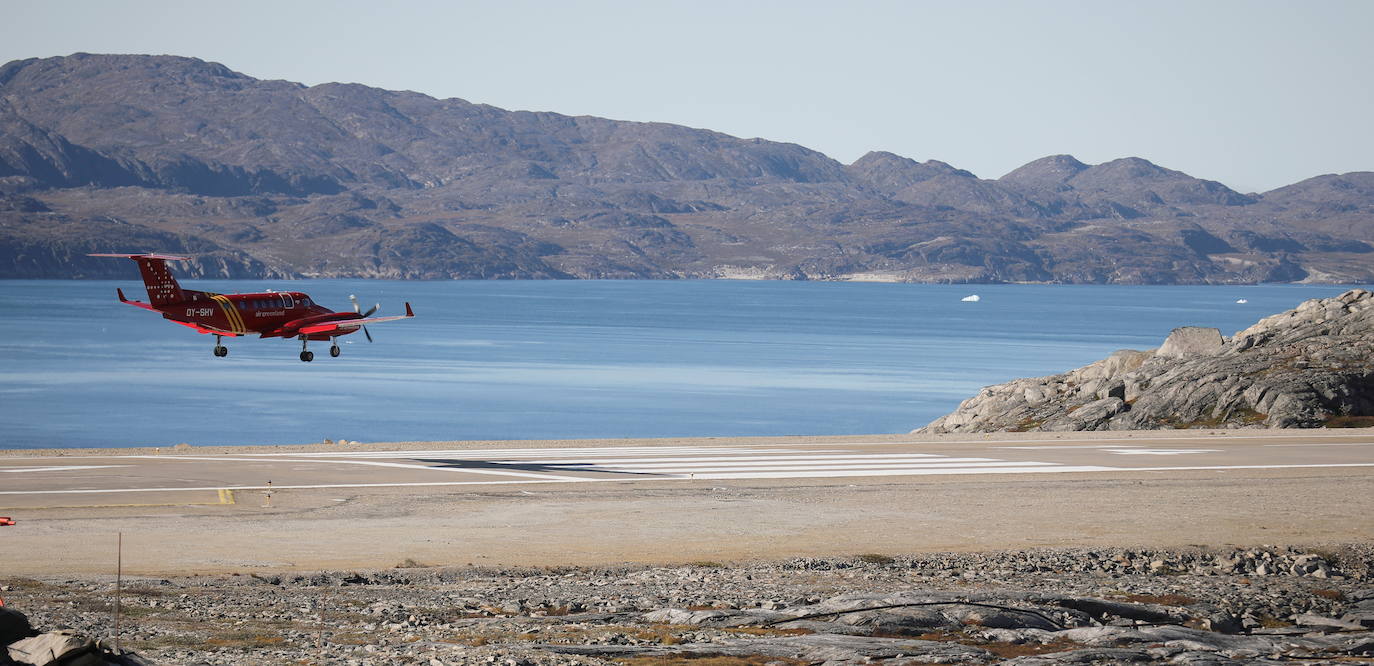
(274, 178)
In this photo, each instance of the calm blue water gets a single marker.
(568, 359)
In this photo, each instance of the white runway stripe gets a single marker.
(859, 468)
(838, 462)
(819, 456)
(64, 468)
(1046, 468)
(512, 454)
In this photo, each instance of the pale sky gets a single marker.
(1256, 94)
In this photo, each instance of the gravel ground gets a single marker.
(1188, 606)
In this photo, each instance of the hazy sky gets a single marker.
(1256, 94)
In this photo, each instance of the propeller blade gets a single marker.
(369, 335)
(359, 309)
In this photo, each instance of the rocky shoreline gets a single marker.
(1309, 367)
(1203, 605)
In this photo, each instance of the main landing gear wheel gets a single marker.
(334, 351)
(307, 356)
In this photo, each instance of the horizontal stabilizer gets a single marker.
(137, 304)
(167, 257)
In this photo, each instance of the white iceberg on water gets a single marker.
(972, 298)
(1242, 301)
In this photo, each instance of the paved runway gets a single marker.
(606, 502)
(32, 482)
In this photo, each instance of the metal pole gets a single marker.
(119, 586)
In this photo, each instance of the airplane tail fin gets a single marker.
(162, 287)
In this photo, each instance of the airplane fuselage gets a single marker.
(279, 314)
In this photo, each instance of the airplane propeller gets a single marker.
(365, 315)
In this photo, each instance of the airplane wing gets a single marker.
(350, 324)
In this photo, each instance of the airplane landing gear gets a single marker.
(334, 350)
(220, 350)
(306, 355)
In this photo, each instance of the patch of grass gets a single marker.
(26, 585)
(705, 564)
(1159, 599)
(1271, 622)
(709, 660)
(408, 563)
(875, 558)
(767, 631)
(244, 639)
(666, 634)
(166, 641)
(1002, 650)
(1013, 650)
(1350, 422)
(1333, 595)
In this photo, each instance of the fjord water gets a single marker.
(569, 359)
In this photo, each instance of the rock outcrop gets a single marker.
(1310, 367)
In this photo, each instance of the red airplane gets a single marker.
(274, 314)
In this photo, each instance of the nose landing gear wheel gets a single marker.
(221, 350)
(334, 351)
(307, 356)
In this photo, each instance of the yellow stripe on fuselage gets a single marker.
(231, 313)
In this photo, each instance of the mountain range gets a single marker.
(259, 178)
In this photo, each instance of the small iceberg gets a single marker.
(1242, 301)
(972, 298)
